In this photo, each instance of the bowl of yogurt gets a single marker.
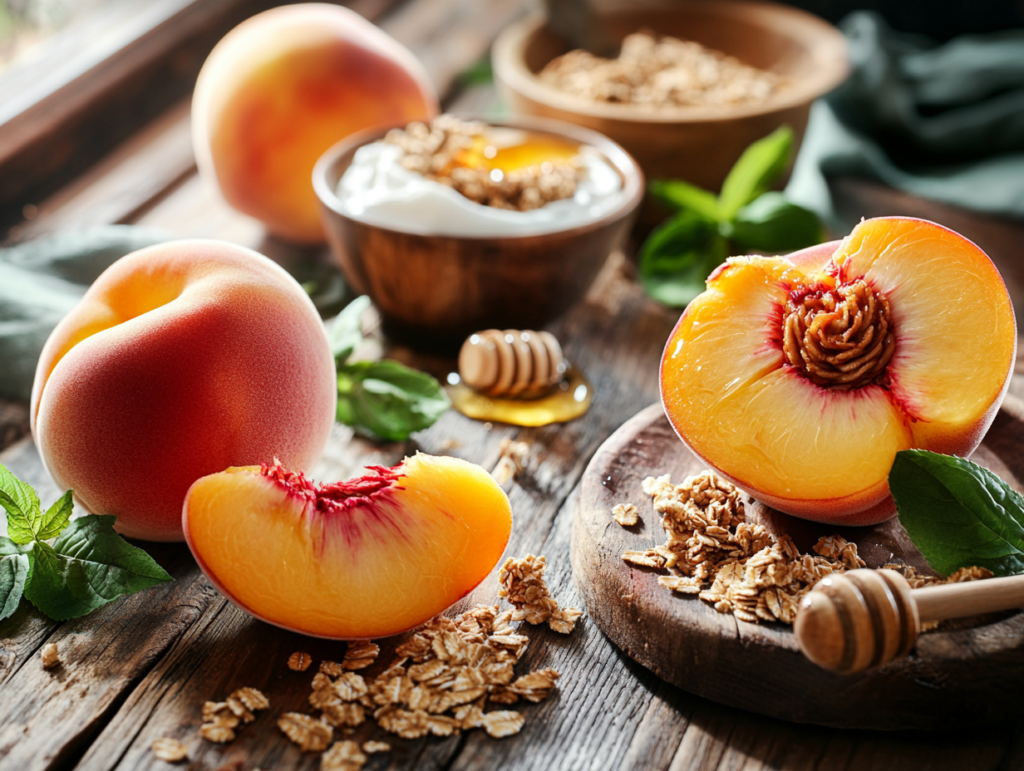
(457, 225)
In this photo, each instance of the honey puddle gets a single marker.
(568, 400)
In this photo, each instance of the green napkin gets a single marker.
(944, 122)
(42, 280)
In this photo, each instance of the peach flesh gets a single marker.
(821, 453)
(181, 359)
(284, 86)
(371, 557)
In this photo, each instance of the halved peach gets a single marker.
(371, 557)
(800, 377)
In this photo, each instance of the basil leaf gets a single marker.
(22, 506)
(88, 566)
(346, 332)
(770, 223)
(678, 256)
(755, 171)
(56, 518)
(388, 400)
(679, 196)
(957, 513)
(13, 574)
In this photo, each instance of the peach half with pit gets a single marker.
(374, 556)
(181, 359)
(799, 378)
(281, 88)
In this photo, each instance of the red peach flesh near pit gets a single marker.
(799, 378)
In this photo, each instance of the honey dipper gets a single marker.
(511, 363)
(866, 618)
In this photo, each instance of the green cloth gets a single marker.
(41, 280)
(944, 122)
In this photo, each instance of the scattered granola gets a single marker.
(170, 750)
(310, 734)
(299, 662)
(446, 150)
(626, 514)
(753, 574)
(511, 462)
(371, 748)
(343, 756)
(50, 656)
(522, 584)
(661, 73)
(360, 655)
(220, 719)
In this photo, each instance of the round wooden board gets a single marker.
(964, 673)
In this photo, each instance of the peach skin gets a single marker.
(284, 86)
(181, 359)
(371, 557)
(800, 377)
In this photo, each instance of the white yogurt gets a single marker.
(378, 190)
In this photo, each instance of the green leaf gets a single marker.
(22, 506)
(680, 196)
(88, 566)
(56, 518)
(346, 332)
(770, 223)
(755, 171)
(957, 513)
(387, 399)
(678, 256)
(13, 574)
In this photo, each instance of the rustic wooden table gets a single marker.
(140, 668)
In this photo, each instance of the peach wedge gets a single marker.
(367, 558)
(800, 377)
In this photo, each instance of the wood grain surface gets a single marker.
(141, 667)
(960, 675)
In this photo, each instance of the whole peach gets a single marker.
(181, 359)
(281, 88)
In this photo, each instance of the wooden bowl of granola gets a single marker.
(695, 121)
(434, 290)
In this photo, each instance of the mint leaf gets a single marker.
(88, 566)
(679, 195)
(346, 331)
(678, 256)
(56, 518)
(770, 223)
(755, 171)
(22, 506)
(388, 400)
(13, 573)
(957, 513)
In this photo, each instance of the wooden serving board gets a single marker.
(965, 673)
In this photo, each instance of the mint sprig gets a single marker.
(66, 569)
(380, 399)
(957, 513)
(680, 254)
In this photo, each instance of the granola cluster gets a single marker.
(522, 584)
(752, 573)
(440, 683)
(661, 72)
(448, 151)
(221, 718)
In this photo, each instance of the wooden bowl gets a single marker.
(698, 144)
(434, 290)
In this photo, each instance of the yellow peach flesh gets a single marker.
(371, 570)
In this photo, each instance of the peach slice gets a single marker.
(800, 377)
(371, 557)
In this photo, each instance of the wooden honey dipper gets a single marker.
(866, 618)
(512, 363)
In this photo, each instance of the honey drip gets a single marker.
(839, 338)
(568, 400)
